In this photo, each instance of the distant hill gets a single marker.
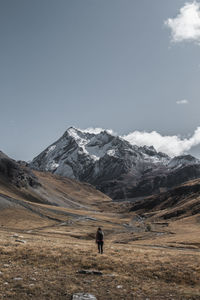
(180, 202)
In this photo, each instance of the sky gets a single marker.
(132, 66)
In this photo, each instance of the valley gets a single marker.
(47, 239)
(99, 150)
(44, 248)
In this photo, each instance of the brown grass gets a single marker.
(49, 261)
(162, 262)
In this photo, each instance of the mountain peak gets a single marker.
(111, 163)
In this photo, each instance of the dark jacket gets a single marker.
(99, 236)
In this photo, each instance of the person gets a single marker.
(99, 239)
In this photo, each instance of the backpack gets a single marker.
(100, 235)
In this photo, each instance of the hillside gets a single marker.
(26, 193)
(180, 202)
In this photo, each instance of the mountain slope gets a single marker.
(113, 165)
(16, 173)
(181, 201)
(18, 183)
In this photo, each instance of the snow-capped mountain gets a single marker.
(113, 165)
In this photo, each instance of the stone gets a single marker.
(15, 235)
(33, 279)
(83, 296)
(110, 275)
(17, 278)
(20, 241)
(90, 272)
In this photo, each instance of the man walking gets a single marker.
(99, 239)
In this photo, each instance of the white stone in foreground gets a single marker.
(83, 296)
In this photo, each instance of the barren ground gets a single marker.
(41, 258)
(43, 248)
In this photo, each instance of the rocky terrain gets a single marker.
(16, 173)
(113, 165)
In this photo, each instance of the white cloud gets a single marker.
(171, 145)
(186, 25)
(184, 101)
(97, 130)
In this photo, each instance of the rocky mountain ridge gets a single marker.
(16, 173)
(113, 165)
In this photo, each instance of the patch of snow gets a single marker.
(94, 157)
(96, 151)
(95, 146)
(111, 152)
(51, 148)
(52, 165)
(74, 133)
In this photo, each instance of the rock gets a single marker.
(1, 273)
(15, 235)
(119, 286)
(33, 279)
(110, 275)
(17, 278)
(83, 296)
(90, 272)
(16, 173)
(20, 241)
(6, 265)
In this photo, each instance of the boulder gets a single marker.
(90, 272)
(83, 296)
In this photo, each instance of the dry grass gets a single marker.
(48, 268)
(149, 259)
(53, 254)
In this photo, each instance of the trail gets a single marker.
(175, 248)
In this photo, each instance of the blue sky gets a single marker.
(127, 65)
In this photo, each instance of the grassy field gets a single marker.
(43, 247)
(41, 257)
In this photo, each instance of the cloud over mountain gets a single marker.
(186, 25)
(97, 130)
(171, 145)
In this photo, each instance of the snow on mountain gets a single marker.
(183, 160)
(110, 162)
